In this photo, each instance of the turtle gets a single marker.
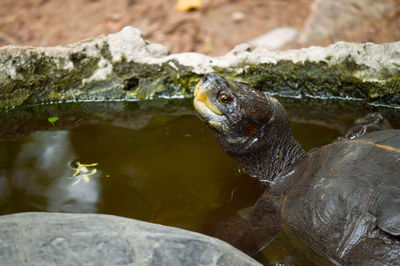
(340, 201)
(369, 123)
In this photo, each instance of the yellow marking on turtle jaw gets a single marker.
(213, 123)
(218, 125)
(201, 96)
(196, 90)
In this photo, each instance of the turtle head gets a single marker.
(240, 115)
(247, 124)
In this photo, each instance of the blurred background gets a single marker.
(211, 27)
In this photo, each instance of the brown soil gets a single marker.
(213, 29)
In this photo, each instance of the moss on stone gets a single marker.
(314, 79)
(169, 79)
(87, 71)
(41, 78)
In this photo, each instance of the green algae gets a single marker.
(317, 79)
(40, 78)
(36, 77)
(143, 81)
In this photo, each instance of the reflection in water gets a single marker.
(5, 189)
(165, 168)
(41, 171)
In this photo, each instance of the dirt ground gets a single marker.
(215, 28)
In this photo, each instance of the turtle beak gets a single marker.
(207, 111)
(197, 89)
(201, 93)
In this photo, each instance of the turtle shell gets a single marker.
(341, 200)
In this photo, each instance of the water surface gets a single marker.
(153, 161)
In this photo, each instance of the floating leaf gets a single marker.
(53, 119)
(188, 5)
(82, 171)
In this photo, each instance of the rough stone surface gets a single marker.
(95, 239)
(123, 66)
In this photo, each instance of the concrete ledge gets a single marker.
(124, 66)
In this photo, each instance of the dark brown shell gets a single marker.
(342, 199)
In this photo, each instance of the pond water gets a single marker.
(153, 161)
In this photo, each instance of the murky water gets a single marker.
(153, 161)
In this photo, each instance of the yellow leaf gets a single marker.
(188, 5)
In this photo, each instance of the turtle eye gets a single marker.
(224, 97)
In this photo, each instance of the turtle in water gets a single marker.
(369, 123)
(341, 201)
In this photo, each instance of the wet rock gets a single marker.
(124, 66)
(95, 239)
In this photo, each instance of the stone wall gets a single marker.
(124, 66)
